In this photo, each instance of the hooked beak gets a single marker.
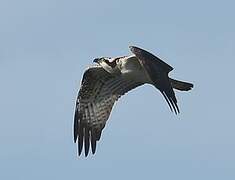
(96, 60)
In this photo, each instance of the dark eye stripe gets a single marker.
(112, 64)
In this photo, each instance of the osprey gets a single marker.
(105, 82)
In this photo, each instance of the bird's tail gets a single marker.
(180, 85)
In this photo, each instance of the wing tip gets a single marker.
(87, 138)
(172, 103)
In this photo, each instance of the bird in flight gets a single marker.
(110, 78)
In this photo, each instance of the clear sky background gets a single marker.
(45, 47)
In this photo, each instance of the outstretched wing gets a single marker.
(158, 72)
(97, 95)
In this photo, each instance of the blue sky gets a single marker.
(45, 47)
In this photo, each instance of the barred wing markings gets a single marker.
(98, 93)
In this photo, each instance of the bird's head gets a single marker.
(100, 60)
(108, 63)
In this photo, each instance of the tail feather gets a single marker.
(180, 85)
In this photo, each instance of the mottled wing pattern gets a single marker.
(97, 95)
(158, 73)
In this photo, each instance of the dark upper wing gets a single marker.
(99, 90)
(158, 73)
